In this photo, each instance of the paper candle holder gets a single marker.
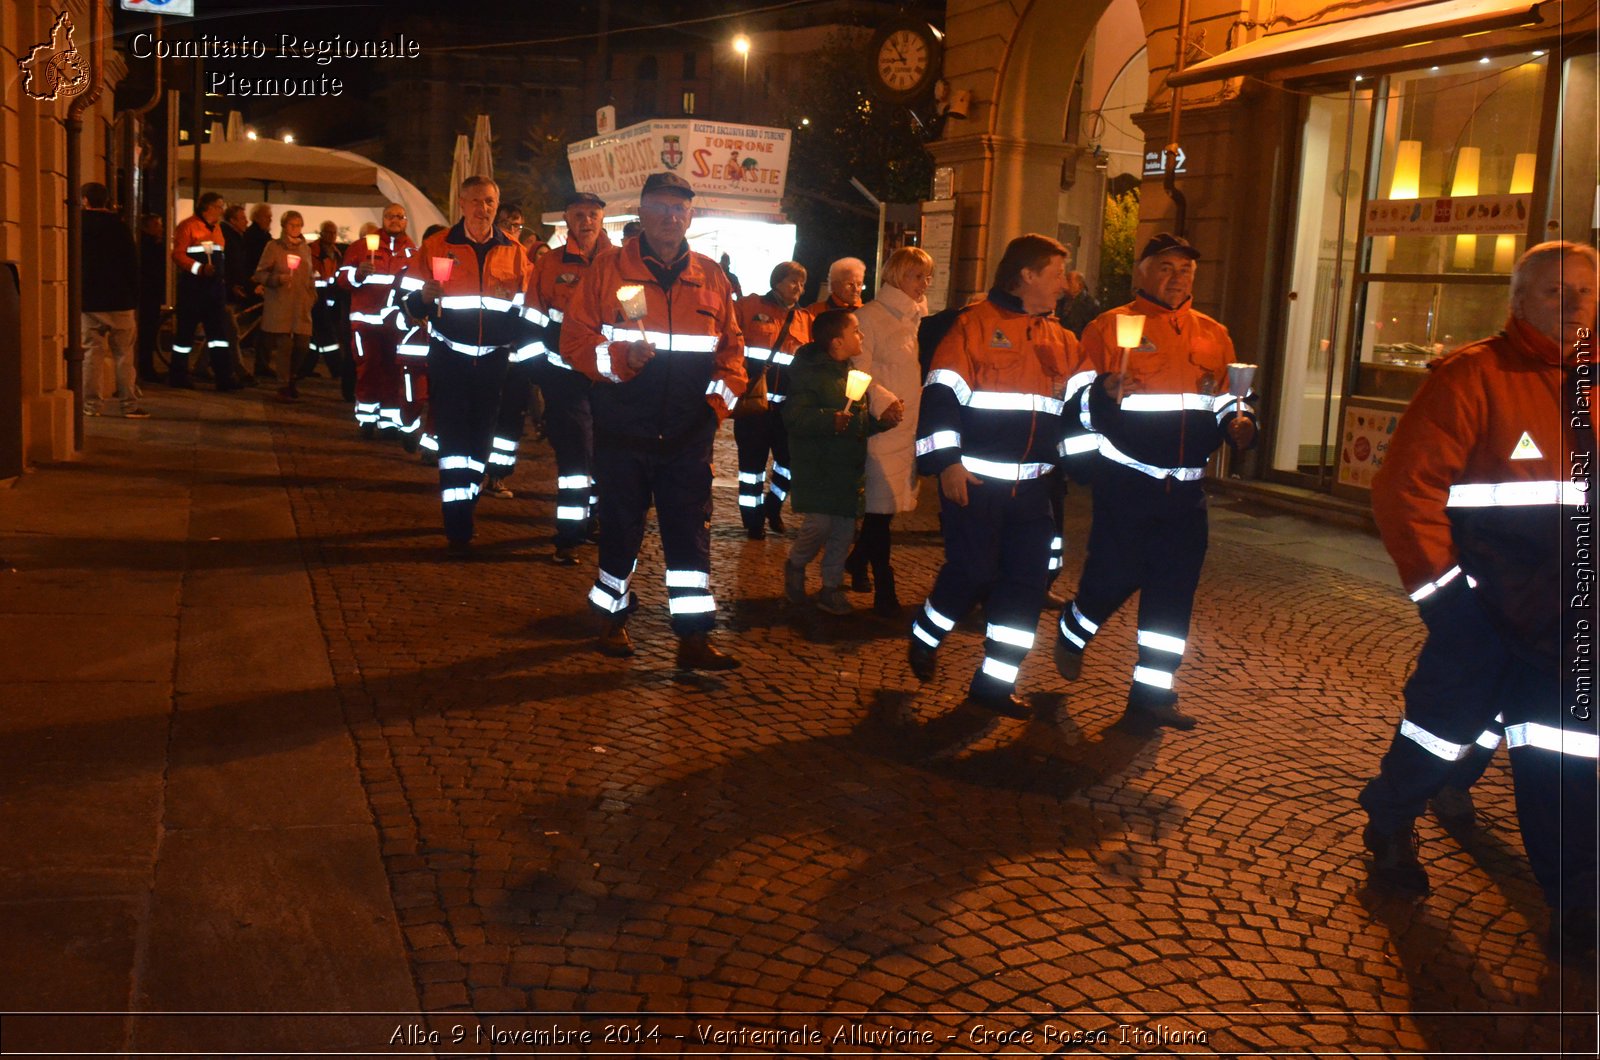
(1130, 330)
(442, 267)
(294, 262)
(372, 242)
(855, 386)
(632, 299)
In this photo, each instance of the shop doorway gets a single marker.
(1333, 158)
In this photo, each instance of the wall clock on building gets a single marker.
(905, 56)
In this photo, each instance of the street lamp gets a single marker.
(741, 44)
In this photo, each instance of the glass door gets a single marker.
(1333, 158)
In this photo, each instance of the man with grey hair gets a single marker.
(1483, 503)
(846, 279)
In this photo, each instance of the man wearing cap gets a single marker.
(1143, 430)
(568, 422)
(197, 249)
(653, 324)
(472, 279)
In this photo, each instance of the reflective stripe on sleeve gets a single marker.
(1515, 494)
(1550, 738)
(938, 440)
(1001, 470)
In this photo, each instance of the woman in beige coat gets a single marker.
(286, 276)
(889, 354)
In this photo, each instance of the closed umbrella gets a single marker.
(460, 170)
(482, 162)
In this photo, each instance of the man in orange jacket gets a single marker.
(1146, 423)
(1485, 503)
(385, 395)
(653, 324)
(197, 248)
(990, 422)
(473, 279)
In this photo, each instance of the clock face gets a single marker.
(903, 60)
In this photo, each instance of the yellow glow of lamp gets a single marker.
(1407, 180)
(1130, 332)
(372, 242)
(855, 387)
(1466, 183)
(1505, 246)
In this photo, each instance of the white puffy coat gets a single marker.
(889, 353)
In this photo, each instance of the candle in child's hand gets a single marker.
(294, 262)
(633, 302)
(855, 385)
(1130, 330)
(442, 267)
(372, 242)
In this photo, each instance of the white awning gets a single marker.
(1391, 28)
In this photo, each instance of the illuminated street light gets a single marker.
(741, 44)
(288, 138)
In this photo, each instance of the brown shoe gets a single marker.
(696, 652)
(615, 642)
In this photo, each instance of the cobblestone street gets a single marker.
(816, 831)
(816, 843)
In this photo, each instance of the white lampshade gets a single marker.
(855, 385)
(1466, 183)
(1505, 246)
(372, 241)
(1407, 180)
(1130, 329)
(633, 301)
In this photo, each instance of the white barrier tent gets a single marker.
(321, 183)
(738, 174)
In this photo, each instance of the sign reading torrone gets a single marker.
(736, 165)
(160, 7)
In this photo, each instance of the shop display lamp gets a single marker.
(1466, 183)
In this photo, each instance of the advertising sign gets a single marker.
(1485, 214)
(728, 165)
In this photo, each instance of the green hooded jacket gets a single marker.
(827, 468)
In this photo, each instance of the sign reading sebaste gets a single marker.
(732, 163)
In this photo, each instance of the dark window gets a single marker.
(688, 66)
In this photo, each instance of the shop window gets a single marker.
(1457, 147)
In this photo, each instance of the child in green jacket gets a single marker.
(827, 456)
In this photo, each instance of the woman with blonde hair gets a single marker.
(286, 276)
(889, 354)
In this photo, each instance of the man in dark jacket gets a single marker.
(152, 292)
(256, 238)
(1077, 307)
(110, 297)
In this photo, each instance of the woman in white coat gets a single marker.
(889, 354)
(286, 274)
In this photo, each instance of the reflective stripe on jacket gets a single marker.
(993, 398)
(699, 347)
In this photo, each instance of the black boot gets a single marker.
(884, 600)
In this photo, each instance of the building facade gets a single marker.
(1294, 131)
(41, 58)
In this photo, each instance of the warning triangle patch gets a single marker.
(1525, 449)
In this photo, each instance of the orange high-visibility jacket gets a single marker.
(481, 307)
(551, 283)
(761, 319)
(393, 263)
(1478, 476)
(189, 246)
(692, 325)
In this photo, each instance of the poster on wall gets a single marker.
(1364, 444)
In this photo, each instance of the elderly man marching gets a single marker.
(472, 294)
(989, 427)
(569, 423)
(1485, 504)
(377, 279)
(1147, 422)
(653, 324)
